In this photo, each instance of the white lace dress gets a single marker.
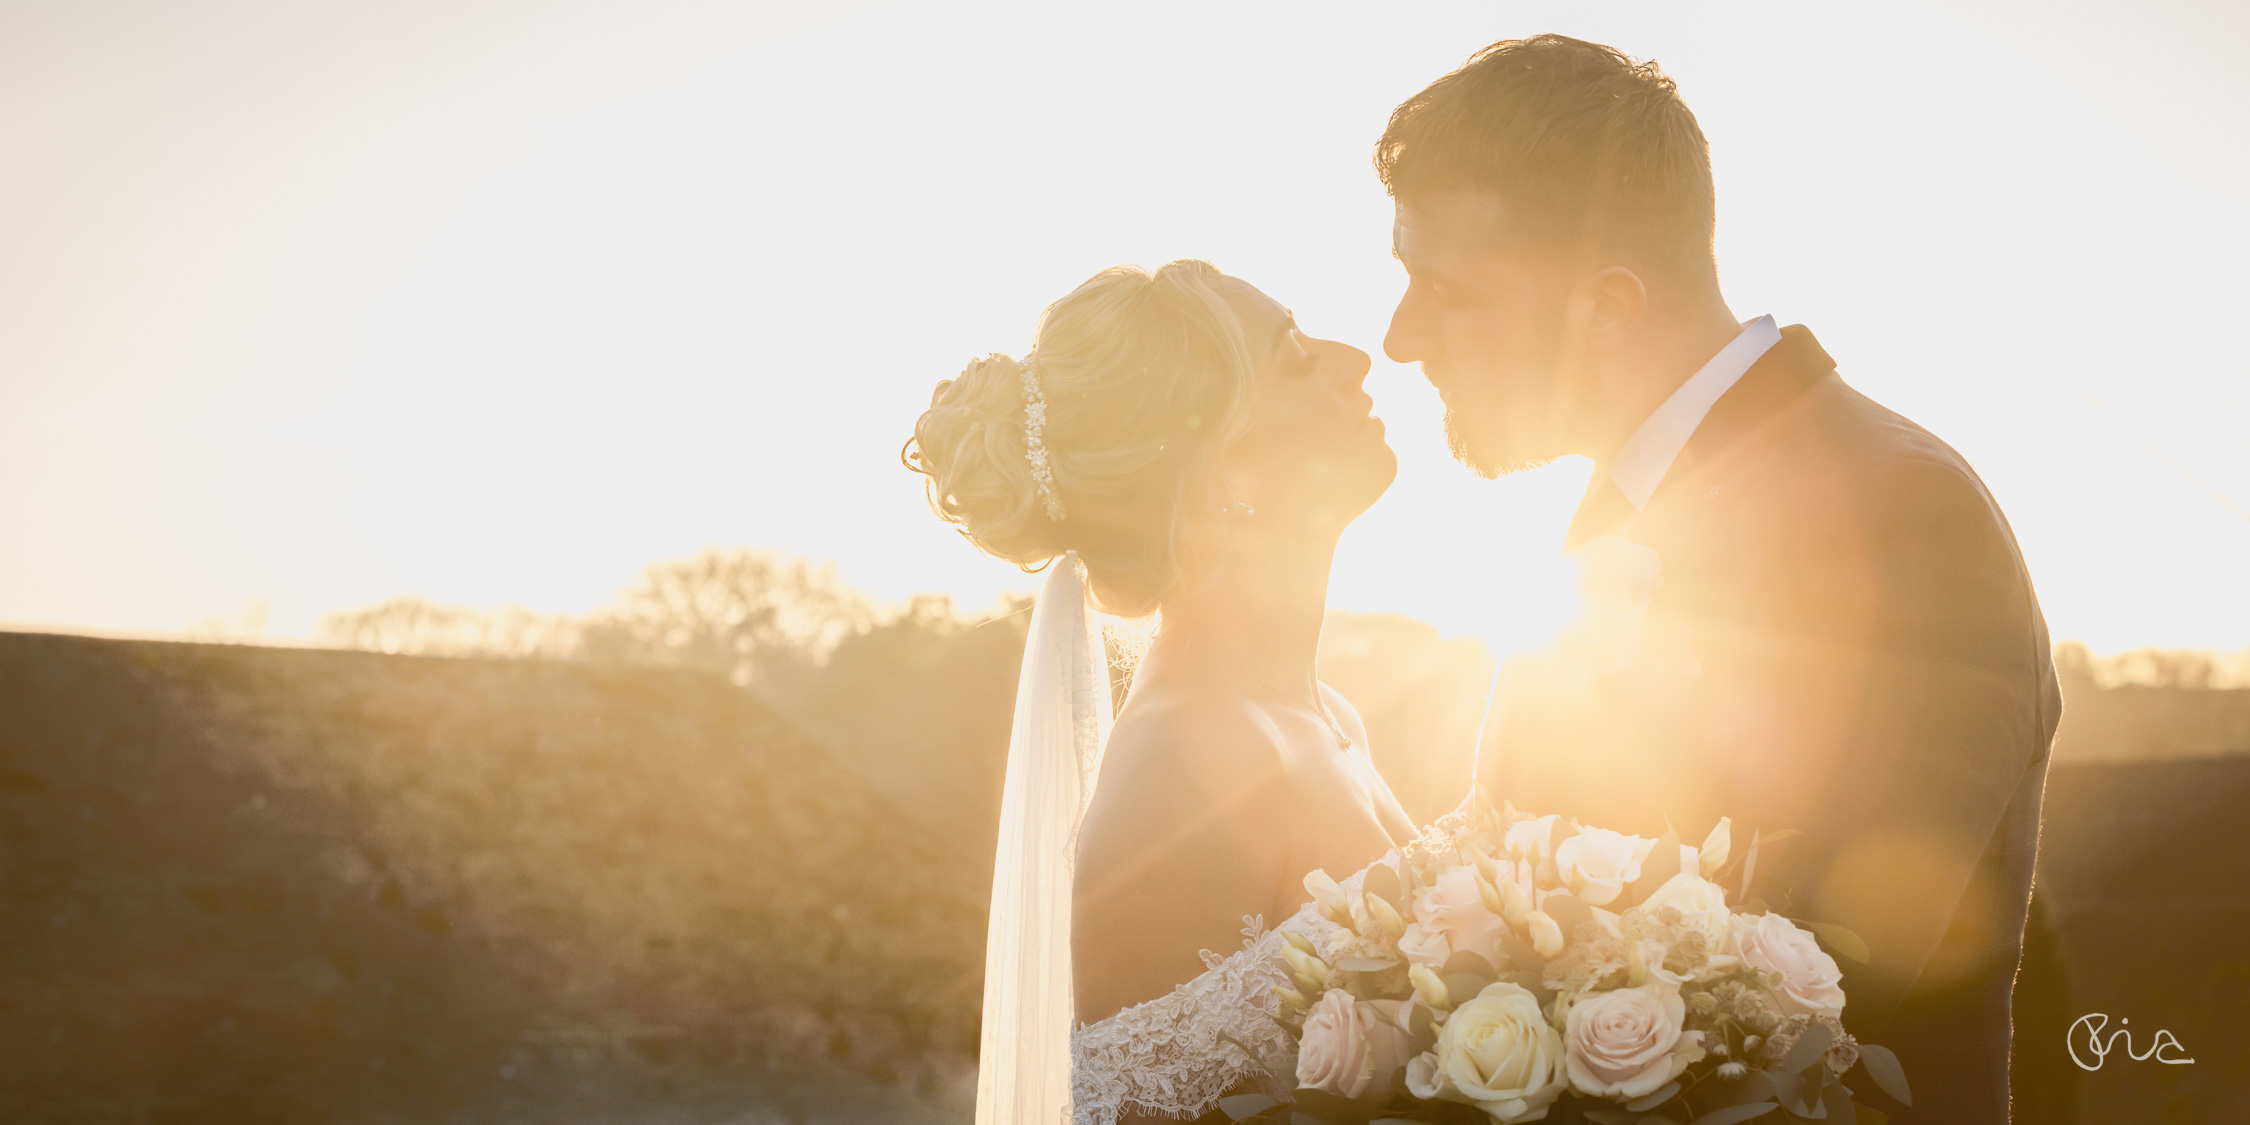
(1172, 1056)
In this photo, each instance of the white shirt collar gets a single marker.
(1645, 457)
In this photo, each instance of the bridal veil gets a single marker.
(1054, 752)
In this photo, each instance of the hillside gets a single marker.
(244, 885)
(300, 886)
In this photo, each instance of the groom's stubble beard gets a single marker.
(1490, 439)
(1486, 463)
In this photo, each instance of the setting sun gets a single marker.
(303, 314)
(587, 561)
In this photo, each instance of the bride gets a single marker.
(1173, 445)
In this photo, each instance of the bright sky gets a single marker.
(312, 304)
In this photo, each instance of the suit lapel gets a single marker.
(1717, 465)
(1780, 377)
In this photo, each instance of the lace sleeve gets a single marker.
(1167, 1057)
(1177, 1055)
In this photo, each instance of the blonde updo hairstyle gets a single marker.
(1145, 376)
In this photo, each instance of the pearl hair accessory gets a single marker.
(1035, 449)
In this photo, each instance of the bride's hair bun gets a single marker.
(1144, 376)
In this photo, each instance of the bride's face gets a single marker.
(1312, 453)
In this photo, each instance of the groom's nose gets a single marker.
(1403, 342)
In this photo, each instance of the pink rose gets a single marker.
(1811, 984)
(1628, 1042)
(1350, 1048)
(1450, 917)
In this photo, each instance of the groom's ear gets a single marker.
(1610, 303)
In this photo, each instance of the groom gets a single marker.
(1869, 664)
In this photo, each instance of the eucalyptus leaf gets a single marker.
(1838, 1102)
(1460, 988)
(1752, 1087)
(1654, 1098)
(1468, 961)
(1318, 1101)
(1567, 911)
(1456, 1113)
(1882, 1066)
(1787, 1088)
(1869, 1115)
(1531, 983)
(1752, 906)
(1807, 1050)
(1808, 1104)
(1843, 941)
(1331, 1108)
(1519, 953)
(1612, 1117)
(1246, 1105)
(1736, 1113)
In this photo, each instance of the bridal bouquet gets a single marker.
(1507, 968)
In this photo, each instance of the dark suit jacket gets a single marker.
(1873, 671)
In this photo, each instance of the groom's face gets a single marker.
(1483, 314)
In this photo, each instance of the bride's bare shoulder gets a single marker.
(1188, 774)
(1186, 836)
(1168, 747)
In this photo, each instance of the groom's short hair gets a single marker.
(1585, 146)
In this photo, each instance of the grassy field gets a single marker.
(245, 884)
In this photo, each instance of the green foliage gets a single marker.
(1882, 1066)
(1808, 1049)
(1655, 1097)
(1731, 1115)
(1843, 941)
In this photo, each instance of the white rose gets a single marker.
(1627, 1042)
(1702, 906)
(1811, 984)
(1450, 917)
(1350, 1048)
(1424, 947)
(1498, 1053)
(1597, 863)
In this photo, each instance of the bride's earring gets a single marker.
(1239, 508)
